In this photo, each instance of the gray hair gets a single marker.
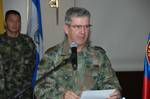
(75, 12)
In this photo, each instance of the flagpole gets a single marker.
(27, 17)
(27, 10)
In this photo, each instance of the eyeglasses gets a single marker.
(79, 27)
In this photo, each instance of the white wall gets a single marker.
(53, 33)
(121, 27)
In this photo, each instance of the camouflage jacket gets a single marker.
(17, 61)
(94, 72)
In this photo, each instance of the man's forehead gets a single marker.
(80, 19)
(13, 15)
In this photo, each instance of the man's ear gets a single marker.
(66, 28)
(5, 25)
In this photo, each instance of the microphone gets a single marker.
(73, 56)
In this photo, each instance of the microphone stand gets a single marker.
(18, 96)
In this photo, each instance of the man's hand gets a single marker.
(70, 95)
(115, 95)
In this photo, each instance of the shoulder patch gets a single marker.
(52, 48)
(99, 48)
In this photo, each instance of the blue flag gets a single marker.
(146, 80)
(35, 31)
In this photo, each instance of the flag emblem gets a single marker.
(148, 52)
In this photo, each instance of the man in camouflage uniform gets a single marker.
(17, 59)
(94, 71)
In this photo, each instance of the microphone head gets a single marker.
(73, 44)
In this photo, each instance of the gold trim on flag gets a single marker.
(1, 17)
(148, 52)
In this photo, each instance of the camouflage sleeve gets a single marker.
(47, 88)
(107, 78)
(2, 81)
(33, 54)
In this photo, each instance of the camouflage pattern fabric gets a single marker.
(17, 61)
(94, 72)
